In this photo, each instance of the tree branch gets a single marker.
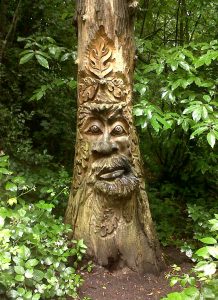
(12, 26)
(193, 31)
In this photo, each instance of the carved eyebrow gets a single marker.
(109, 115)
(115, 115)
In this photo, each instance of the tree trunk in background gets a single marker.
(108, 206)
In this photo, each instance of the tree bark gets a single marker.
(108, 206)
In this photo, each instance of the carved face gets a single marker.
(107, 132)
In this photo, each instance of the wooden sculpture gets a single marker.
(108, 206)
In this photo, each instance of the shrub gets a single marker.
(202, 281)
(34, 252)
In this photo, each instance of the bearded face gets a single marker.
(110, 171)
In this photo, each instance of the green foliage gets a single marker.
(176, 113)
(185, 91)
(37, 133)
(202, 280)
(168, 214)
(34, 249)
(190, 293)
(44, 49)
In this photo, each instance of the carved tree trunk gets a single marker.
(108, 206)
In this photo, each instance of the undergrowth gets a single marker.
(36, 261)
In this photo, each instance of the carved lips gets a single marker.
(114, 169)
(113, 176)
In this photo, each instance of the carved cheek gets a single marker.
(123, 144)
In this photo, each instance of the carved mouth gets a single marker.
(111, 174)
(114, 169)
(114, 177)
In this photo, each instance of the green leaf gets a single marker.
(155, 124)
(173, 281)
(196, 114)
(208, 293)
(24, 59)
(29, 273)
(207, 98)
(202, 252)
(174, 65)
(211, 138)
(207, 268)
(38, 275)
(46, 206)
(5, 171)
(213, 251)
(36, 297)
(42, 61)
(163, 122)
(184, 65)
(12, 294)
(48, 261)
(138, 112)
(174, 296)
(185, 125)
(21, 39)
(198, 131)
(10, 186)
(191, 293)
(2, 222)
(208, 240)
(19, 278)
(28, 295)
(24, 252)
(21, 291)
(31, 263)
(12, 201)
(204, 112)
(18, 179)
(19, 270)
(72, 84)
(42, 54)
(188, 110)
(65, 56)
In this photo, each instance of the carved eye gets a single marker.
(118, 130)
(94, 129)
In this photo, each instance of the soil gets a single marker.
(125, 284)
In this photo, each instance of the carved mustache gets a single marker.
(117, 164)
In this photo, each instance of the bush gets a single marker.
(34, 252)
(202, 281)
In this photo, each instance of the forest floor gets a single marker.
(102, 284)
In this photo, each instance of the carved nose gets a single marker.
(104, 147)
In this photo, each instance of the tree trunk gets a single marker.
(108, 206)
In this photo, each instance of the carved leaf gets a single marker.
(117, 87)
(98, 77)
(100, 56)
(87, 88)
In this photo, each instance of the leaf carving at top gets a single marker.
(98, 82)
(100, 55)
(98, 61)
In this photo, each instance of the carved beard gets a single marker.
(113, 177)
